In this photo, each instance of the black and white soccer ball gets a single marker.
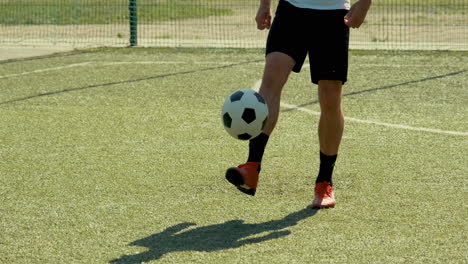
(244, 114)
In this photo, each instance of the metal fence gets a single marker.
(391, 24)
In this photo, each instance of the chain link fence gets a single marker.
(391, 24)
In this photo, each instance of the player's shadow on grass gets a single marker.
(230, 234)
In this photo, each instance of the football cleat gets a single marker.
(324, 196)
(244, 177)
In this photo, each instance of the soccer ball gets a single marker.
(244, 114)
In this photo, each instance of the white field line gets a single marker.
(44, 70)
(352, 119)
(89, 63)
(256, 86)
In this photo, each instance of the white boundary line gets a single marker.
(90, 63)
(45, 70)
(352, 119)
(256, 86)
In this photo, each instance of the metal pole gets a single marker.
(132, 6)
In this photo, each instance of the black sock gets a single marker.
(327, 163)
(257, 147)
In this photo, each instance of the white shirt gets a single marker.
(321, 4)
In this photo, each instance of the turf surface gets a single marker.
(65, 12)
(118, 155)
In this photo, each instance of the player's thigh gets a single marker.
(278, 64)
(328, 47)
(286, 35)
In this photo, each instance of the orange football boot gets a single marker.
(324, 196)
(244, 177)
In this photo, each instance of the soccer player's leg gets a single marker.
(329, 68)
(284, 54)
(330, 131)
(277, 68)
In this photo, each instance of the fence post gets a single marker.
(132, 6)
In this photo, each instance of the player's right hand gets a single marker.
(356, 15)
(263, 18)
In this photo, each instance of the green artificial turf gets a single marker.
(66, 12)
(118, 155)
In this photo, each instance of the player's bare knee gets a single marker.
(330, 104)
(330, 96)
(278, 62)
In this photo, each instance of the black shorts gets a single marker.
(320, 33)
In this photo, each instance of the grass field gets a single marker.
(118, 155)
(65, 12)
